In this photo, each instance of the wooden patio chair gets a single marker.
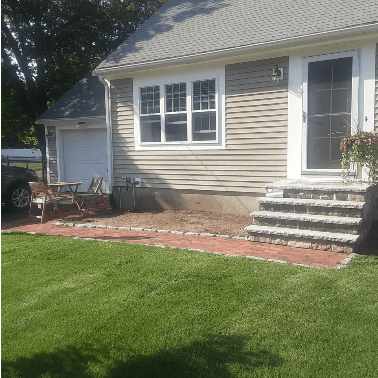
(93, 199)
(43, 197)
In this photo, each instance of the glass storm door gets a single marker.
(329, 111)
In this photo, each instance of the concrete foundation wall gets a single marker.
(163, 199)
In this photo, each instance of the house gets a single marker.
(76, 135)
(209, 100)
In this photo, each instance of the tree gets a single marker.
(48, 45)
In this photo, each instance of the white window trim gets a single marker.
(355, 102)
(189, 77)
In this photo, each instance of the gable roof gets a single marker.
(85, 99)
(188, 28)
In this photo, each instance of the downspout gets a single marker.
(109, 134)
(47, 144)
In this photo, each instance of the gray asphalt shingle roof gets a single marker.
(85, 99)
(182, 28)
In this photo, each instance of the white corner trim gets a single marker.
(367, 91)
(59, 153)
(295, 94)
(47, 143)
(367, 87)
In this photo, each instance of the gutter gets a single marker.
(109, 135)
(246, 48)
(43, 121)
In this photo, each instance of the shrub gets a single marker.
(360, 149)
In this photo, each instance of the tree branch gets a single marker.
(21, 60)
(18, 84)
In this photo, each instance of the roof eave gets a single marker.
(240, 49)
(42, 121)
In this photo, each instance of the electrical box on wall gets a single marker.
(132, 181)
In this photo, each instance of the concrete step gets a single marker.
(332, 241)
(336, 191)
(313, 206)
(322, 215)
(308, 221)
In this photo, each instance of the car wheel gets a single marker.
(19, 197)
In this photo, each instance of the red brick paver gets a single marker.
(227, 246)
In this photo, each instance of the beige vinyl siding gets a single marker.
(52, 154)
(256, 138)
(376, 89)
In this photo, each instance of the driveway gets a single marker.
(7, 215)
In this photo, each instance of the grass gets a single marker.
(33, 166)
(81, 308)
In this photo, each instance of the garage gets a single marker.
(76, 135)
(85, 156)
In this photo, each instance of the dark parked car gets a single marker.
(15, 192)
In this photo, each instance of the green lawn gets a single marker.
(34, 166)
(81, 308)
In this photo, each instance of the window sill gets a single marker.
(322, 172)
(180, 147)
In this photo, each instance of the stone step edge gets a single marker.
(335, 187)
(303, 234)
(186, 233)
(311, 202)
(307, 217)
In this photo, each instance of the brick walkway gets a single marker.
(223, 245)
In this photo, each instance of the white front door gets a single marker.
(330, 102)
(85, 156)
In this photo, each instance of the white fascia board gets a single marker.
(357, 31)
(50, 120)
(67, 122)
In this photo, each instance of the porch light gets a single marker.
(50, 134)
(277, 74)
(80, 124)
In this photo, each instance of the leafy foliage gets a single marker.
(49, 45)
(360, 148)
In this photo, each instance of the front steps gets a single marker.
(328, 216)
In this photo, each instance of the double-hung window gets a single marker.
(176, 119)
(204, 117)
(150, 114)
(179, 113)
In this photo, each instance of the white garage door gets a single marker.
(85, 156)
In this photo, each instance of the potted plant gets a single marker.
(360, 149)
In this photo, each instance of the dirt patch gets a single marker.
(174, 220)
